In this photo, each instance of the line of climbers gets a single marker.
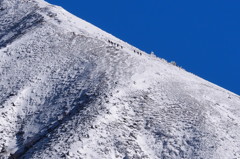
(117, 45)
(139, 53)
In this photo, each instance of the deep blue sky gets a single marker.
(201, 36)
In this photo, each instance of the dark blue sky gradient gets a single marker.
(201, 36)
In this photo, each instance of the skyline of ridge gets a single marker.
(202, 37)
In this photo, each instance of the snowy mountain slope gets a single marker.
(71, 90)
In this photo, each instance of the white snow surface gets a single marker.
(70, 90)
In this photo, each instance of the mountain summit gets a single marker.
(70, 90)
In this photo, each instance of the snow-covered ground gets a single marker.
(70, 90)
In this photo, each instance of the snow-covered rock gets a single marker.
(70, 90)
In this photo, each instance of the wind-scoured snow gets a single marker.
(70, 90)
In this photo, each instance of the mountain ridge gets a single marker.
(71, 90)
